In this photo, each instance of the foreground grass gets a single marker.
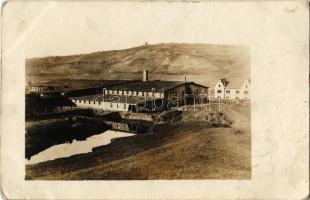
(183, 150)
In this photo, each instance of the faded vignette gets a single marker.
(155, 100)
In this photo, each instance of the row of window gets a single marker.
(84, 101)
(134, 93)
(118, 106)
(228, 92)
(99, 102)
(231, 98)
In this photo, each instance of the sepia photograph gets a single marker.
(154, 111)
(154, 100)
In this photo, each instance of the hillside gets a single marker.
(199, 62)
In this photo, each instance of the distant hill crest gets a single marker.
(161, 60)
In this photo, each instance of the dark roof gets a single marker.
(225, 82)
(114, 98)
(146, 86)
(198, 84)
(233, 83)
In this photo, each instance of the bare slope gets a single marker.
(162, 60)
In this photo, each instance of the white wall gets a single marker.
(232, 93)
(103, 105)
(244, 91)
(219, 87)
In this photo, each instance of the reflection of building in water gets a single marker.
(232, 89)
(153, 95)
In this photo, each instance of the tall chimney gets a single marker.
(145, 75)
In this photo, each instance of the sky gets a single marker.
(63, 28)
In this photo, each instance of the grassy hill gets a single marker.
(199, 62)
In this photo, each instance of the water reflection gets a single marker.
(53, 132)
(77, 147)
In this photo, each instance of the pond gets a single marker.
(77, 147)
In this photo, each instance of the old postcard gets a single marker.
(155, 100)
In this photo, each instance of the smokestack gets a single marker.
(145, 75)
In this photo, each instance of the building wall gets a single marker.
(232, 93)
(246, 90)
(198, 93)
(178, 92)
(102, 105)
(219, 90)
(134, 93)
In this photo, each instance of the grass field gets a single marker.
(186, 149)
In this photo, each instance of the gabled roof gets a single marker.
(224, 81)
(189, 83)
(198, 84)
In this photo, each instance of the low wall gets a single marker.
(137, 116)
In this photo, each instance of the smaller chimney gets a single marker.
(185, 78)
(145, 75)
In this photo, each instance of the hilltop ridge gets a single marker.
(207, 62)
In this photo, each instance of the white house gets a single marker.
(232, 89)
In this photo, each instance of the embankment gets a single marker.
(187, 148)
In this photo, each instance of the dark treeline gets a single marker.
(36, 105)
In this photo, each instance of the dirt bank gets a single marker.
(183, 149)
